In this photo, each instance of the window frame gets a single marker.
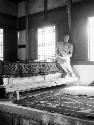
(53, 59)
(2, 45)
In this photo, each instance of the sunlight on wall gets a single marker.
(1, 44)
(86, 73)
(91, 38)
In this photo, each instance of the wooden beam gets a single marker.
(45, 8)
(69, 11)
(45, 5)
(27, 30)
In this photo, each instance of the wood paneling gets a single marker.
(8, 21)
(37, 6)
(8, 7)
(10, 44)
(55, 16)
(59, 17)
(80, 14)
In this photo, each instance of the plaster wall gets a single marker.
(86, 73)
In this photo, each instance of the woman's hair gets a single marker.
(66, 33)
(65, 36)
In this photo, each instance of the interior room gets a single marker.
(34, 88)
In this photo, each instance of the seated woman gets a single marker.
(64, 52)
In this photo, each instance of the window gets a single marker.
(91, 38)
(46, 43)
(1, 44)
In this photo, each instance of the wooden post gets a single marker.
(27, 30)
(17, 95)
(69, 11)
(45, 8)
(45, 119)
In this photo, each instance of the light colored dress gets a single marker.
(64, 52)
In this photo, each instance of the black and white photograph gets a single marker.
(46, 62)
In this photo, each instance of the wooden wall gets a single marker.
(8, 21)
(38, 18)
(57, 15)
(80, 13)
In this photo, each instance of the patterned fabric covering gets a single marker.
(21, 69)
(10, 69)
(56, 101)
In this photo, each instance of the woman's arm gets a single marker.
(57, 50)
(71, 51)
